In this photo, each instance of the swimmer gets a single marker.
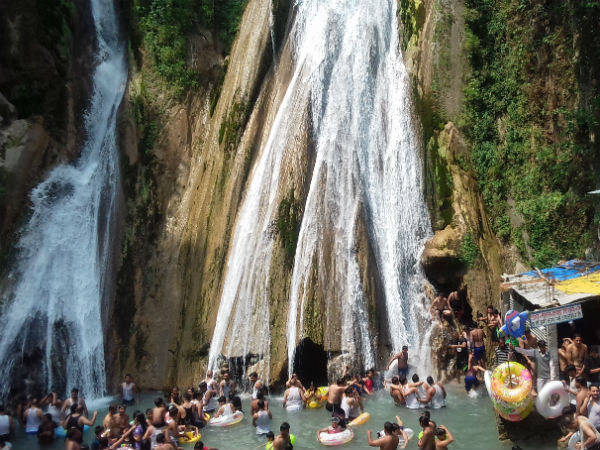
(262, 419)
(443, 438)
(427, 439)
(260, 395)
(282, 441)
(471, 380)
(7, 424)
(402, 359)
(225, 409)
(32, 416)
(369, 383)
(350, 404)
(334, 395)
(200, 446)
(77, 420)
(45, 433)
(435, 394)
(158, 413)
(256, 384)
(227, 386)
(410, 391)
(128, 391)
(399, 431)
(270, 438)
(74, 400)
(293, 398)
(387, 442)
(337, 426)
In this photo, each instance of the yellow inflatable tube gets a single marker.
(360, 420)
(189, 438)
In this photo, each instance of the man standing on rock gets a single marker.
(576, 353)
(478, 346)
(402, 358)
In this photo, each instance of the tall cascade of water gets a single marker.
(62, 272)
(348, 73)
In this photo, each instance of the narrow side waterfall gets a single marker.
(54, 311)
(350, 85)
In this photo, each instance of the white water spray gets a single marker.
(62, 270)
(349, 74)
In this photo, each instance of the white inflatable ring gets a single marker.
(336, 438)
(573, 441)
(226, 421)
(542, 402)
(487, 377)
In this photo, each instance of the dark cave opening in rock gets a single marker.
(310, 363)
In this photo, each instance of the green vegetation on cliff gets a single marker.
(162, 28)
(531, 118)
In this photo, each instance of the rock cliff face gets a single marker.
(45, 67)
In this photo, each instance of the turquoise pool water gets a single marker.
(472, 422)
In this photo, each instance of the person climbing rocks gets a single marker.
(440, 308)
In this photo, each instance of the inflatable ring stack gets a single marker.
(511, 387)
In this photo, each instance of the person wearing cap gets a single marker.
(545, 369)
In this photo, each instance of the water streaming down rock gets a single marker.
(52, 327)
(349, 82)
(367, 157)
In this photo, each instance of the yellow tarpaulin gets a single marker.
(588, 284)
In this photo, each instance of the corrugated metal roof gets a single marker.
(559, 285)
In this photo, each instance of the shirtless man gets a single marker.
(530, 341)
(443, 438)
(402, 358)
(427, 440)
(576, 353)
(478, 346)
(158, 413)
(440, 308)
(334, 395)
(74, 400)
(563, 358)
(387, 442)
(282, 441)
(110, 423)
(396, 392)
(581, 395)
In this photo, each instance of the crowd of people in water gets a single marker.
(177, 417)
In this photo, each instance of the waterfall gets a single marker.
(367, 157)
(349, 75)
(63, 265)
